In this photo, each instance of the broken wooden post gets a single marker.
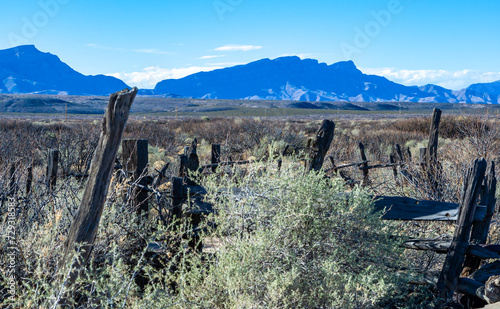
(215, 156)
(399, 153)
(189, 162)
(452, 267)
(52, 168)
(83, 229)
(177, 199)
(480, 230)
(432, 166)
(135, 160)
(431, 154)
(408, 154)
(364, 170)
(394, 168)
(324, 138)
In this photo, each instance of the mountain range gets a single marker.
(24, 69)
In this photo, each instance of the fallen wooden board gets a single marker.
(441, 246)
(405, 208)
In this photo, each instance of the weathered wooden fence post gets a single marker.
(364, 170)
(452, 267)
(215, 156)
(432, 165)
(324, 138)
(83, 229)
(52, 168)
(177, 199)
(394, 168)
(479, 234)
(135, 161)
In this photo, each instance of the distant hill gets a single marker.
(25, 69)
(290, 78)
(480, 93)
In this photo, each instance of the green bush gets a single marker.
(292, 240)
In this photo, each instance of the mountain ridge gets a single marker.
(25, 69)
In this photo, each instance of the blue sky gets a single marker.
(414, 42)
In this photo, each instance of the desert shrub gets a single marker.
(293, 240)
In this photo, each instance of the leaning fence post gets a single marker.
(324, 138)
(215, 156)
(83, 229)
(135, 160)
(52, 168)
(452, 266)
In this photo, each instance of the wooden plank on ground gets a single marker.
(405, 208)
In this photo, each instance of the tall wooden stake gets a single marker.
(85, 224)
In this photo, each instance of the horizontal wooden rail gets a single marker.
(226, 163)
(335, 168)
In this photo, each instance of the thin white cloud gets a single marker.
(149, 77)
(211, 56)
(143, 51)
(454, 80)
(237, 48)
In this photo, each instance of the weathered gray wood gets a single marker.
(481, 252)
(452, 267)
(492, 290)
(408, 154)
(336, 168)
(215, 157)
(324, 138)
(405, 208)
(394, 168)
(226, 163)
(432, 167)
(84, 227)
(135, 160)
(177, 199)
(399, 153)
(442, 246)
(161, 175)
(52, 168)
(480, 229)
(486, 271)
(471, 287)
(364, 167)
(431, 153)
(436, 245)
(370, 167)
